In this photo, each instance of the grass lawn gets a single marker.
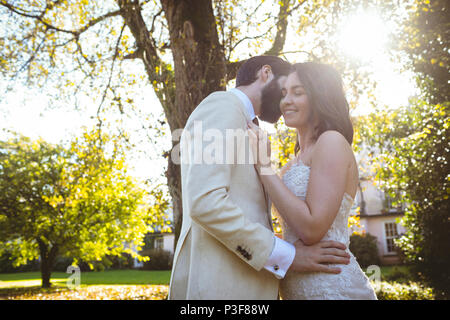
(119, 277)
(124, 277)
(388, 270)
(395, 271)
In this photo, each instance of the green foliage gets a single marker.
(410, 145)
(425, 39)
(396, 291)
(159, 259)
(76, 202)
(124, 261)
(400, 275)
(283, 144)
(6, 265)
(364, 248)
(410, 148)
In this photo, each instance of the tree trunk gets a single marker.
(45, 274)
(48, 258)
(173, 176)
(200, 66)
(200, 69)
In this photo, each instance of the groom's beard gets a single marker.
(270, 102)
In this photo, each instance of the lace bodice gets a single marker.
(296, 179)
(351, 283)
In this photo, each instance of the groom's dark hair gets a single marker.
(246, 74)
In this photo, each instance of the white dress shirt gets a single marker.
(283, 252)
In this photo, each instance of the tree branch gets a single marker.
(37, 17)
(131, 13)
(232, 68)
(280, 37)
(311, 54)
(33, 56)
(282, 23)
(146, 49)
(40, 18)
(136, 54)
(108, 86)
(94, 21)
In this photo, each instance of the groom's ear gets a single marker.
(265, 73)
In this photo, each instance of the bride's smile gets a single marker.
(294, 104)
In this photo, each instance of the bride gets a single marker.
(317, 188)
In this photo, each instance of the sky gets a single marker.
(363, 36)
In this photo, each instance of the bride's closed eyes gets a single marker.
(298, 91)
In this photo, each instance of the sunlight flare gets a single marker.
(364, 36)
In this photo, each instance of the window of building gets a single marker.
(159, 243)
(391, 233)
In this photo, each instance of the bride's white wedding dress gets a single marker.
(351, 283)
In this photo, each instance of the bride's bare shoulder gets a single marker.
(333, 141)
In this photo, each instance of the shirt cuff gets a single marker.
(281, 258)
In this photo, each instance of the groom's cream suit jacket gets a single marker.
(226, 235)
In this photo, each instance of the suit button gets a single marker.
(276, 267)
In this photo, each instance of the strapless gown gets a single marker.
(351, 283)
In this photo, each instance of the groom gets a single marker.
(227, 248)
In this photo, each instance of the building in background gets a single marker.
(379, 217)
(161, 241)
(158, 241)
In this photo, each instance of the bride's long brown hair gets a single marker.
(326, 98)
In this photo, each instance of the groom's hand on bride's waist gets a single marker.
(317, 257)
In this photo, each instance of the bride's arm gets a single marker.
(312, 218)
